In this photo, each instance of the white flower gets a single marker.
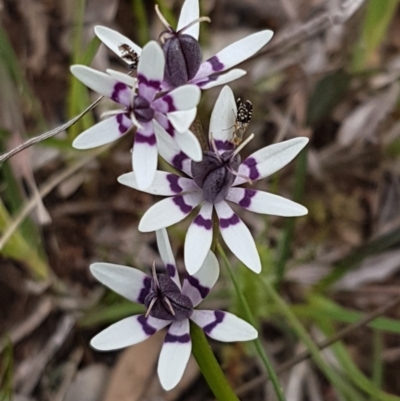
(214, 181)
(211, 72)
(174, 111)
(168, 303)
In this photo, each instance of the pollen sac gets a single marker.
(143, 112)
(182, 58)
(214, 174)
(168, 296)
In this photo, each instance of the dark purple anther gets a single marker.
(141, 107)
(215, 175)
(165, 297)
(182, 58)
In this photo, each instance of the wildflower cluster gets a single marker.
(158, 98)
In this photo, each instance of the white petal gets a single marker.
(113, 39)
(234, 53)
(103, 84)
(129, 331)
(198, 239)
(265, 203)
(164, 184)
(169, 211)
(170, 151)
(189, 145)
(182, 120)
(103, 132)
(223, 118)
(220, 79)
(237, 237)
(144, 156)
(224, 326)
(174, 354)
(185, 97)
(270, 159)
(129, 282)
(198, 286)
(122, 77)
(164, 248)
(150, 70)
(189, 12)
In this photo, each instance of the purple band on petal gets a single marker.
(149, 330)
(149, 139)
(251, 163)
(215, 64)
(170, 129)
(179, 201)
(178, 160)
(225, 223)
(246, 200)
(202, 222)
(170, 101)
(219, 317)
(145, 290)
(118, 87)
(224, 145)
(171, 269)
(156, 84)
(194, 282)
(171, 338)
(174, 183)
(121, 127)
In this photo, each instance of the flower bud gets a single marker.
(214, 174)
(182, 58)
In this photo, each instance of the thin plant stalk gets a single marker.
(264, 357)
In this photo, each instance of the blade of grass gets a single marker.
(350, 369)
(6, 374)
(139, 13)
(338, 382)
(249, 316)
(378, 16)
(377, 361)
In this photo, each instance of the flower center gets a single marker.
(165, 300)
(214, 174)
(142, 109)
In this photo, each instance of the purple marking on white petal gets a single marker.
(219, 317)
(224, 145)
(171, 338)
(178, 160)
(202, 222)
(170, 102)
(149, 139)
(251, 163)
(145, 290)
(180, 202)
(118, 88)
(174, 183)
(120, 120)
(171, 269)
(149, 330)
(225, 223)
(155, 84)
(246, 200)
(215, 64)
(194, 282)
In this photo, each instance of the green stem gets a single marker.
(209, 366)
(264, 357)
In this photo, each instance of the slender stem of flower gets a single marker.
(209, 366)
(264, 357)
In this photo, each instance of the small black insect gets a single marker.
(129, 55)
(243, 118)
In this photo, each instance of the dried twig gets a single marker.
(43, 191)
(321, 345)
(48, 134)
